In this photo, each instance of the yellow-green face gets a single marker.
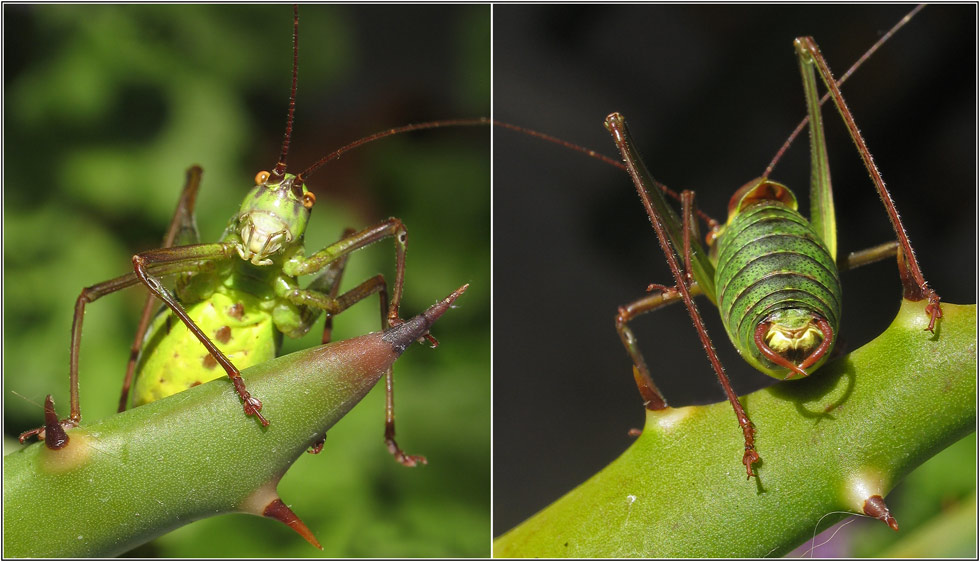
(273, 216)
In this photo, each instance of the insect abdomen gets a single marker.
(173, 359)
(771, 260)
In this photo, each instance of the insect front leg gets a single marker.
(201, 257)
(329, 283)
(181, 231)
(299, 265)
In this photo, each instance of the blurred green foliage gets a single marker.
(106, 107)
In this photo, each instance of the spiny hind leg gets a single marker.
(915, 287)
(181, 231)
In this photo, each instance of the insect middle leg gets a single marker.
(659, 297)
(319, 296)
(391, 227)
(312, 301)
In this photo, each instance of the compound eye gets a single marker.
(261, 177)
(309, 199)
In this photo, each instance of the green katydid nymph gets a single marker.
(236, 298)
(771, 272)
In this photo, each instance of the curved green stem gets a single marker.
(128, 478)
(828, 444)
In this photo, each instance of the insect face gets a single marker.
(273, 215)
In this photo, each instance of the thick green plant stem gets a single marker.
(126, 479)
(828, 443)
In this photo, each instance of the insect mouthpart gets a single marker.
(262, 235)
(794, 339)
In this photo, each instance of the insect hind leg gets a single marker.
(915, 287)
(181, 231)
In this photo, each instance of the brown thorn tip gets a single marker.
(280, 512)
(54, 435)
(404, 333)
(875, 507)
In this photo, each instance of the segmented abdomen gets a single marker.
(770, 259)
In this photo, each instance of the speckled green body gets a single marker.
(241, 304)
(770, 259)
(173, 360)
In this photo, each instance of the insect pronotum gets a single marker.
(186, 107)
(716, 106)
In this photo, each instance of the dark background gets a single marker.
(710, 93)
(105, 108)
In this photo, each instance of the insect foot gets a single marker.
(433, 342)
(317, 445)
(914, 286)
(402, 457)
(933, 309)
(251, 404)
(751, 456)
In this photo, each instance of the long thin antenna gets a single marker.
(387, 133)
(280, 169)
(712, 223)
(843, 78)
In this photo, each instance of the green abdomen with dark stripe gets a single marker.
(770, 260)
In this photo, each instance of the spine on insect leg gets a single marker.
(776, 282)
